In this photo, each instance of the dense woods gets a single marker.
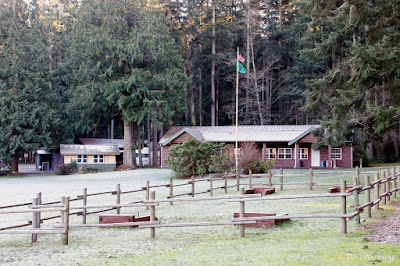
(133, 68)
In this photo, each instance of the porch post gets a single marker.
(330, 157)
(296, 152)
(264, 148)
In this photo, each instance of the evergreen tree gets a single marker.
(29, 108)
(122, 53)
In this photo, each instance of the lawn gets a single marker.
(305, 241)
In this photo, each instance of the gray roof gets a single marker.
(287, 133)
(95, 141)
(89, 149)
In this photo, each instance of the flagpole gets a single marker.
(237, 111)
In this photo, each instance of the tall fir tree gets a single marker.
(29, 113)
(122, 54)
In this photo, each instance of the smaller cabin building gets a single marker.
(102, 157)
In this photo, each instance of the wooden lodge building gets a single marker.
(289, 145)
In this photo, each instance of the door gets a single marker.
(315, 158)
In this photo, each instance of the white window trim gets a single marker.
(268, 154)
(285, 154)
(83, 159)
(340, 154)
(302, 153)
(98, 157)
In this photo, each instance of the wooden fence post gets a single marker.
(281, 179)
(383, 178)
(152, 215)
(147, 192)
(84, 203)
(118, 194)
(356, 182)
(387, 183)
(250, 179)
(171, 190)
(368, 195)
(65, 215)
(226, 183)
(35, 224)
(357, 174)
(376, 190)
(39, 217)
(192, 186)
(241, 215)
(311, 179)
(394, 182)
(269, 177)
(211, 185)
(343, 224)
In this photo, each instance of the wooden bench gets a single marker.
(261, 223)
(336, 189)
(260, 189)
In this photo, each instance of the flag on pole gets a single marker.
(241, 58)
(241, 68)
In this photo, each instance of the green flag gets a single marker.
(241, 68)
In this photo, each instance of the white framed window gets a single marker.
(271, 153)
(285, 153)
(336, 153)
(81, 159)
(98, 158)
(303, 153)
(238, 151)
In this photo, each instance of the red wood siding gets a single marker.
(181, 138)
(309, 138)
(280, 163)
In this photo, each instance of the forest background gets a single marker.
(133, 68)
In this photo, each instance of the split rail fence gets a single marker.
(385, 185)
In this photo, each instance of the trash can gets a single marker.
(323, 164)
(301, 163)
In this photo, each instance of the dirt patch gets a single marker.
(388, 229)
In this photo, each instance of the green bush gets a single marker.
(195, 157)
(257, 166)
(68, 169)
(87, 170)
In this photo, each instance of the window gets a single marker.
(82, 159)
(237, 151)
(285, 153)
(271, 153)
(337, 153)
(98, 158)
(303, 153)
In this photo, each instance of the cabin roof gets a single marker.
(281, 133)
(76, 149)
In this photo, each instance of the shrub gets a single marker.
(222, 161)
(68, 169)
(87, 170)
(64, 170)
(196, 157)
(258, 166)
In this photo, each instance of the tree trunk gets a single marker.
(148, 140)
(112, 128)
(155, 145)
(14, 163)
(129, 150)
(213, 52)
(139, 144)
